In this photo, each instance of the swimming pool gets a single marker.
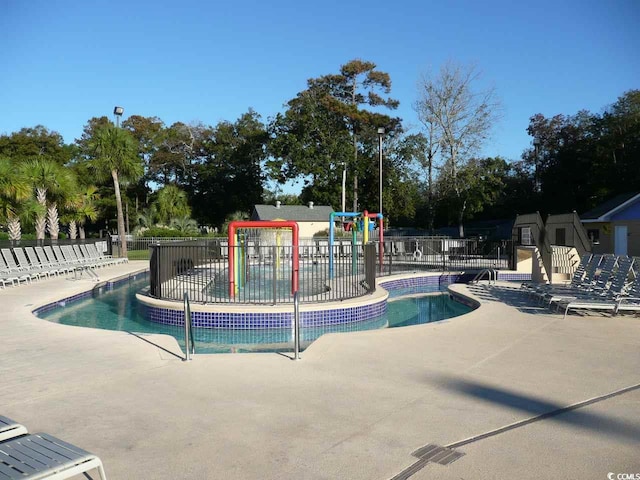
(117, 308)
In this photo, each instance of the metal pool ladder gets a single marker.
(189, 344)
(491, 272)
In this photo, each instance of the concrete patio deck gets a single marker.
(355, 407)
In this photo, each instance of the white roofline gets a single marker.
(622, 206)
(605, 216)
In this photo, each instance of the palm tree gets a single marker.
(52, 184)
(170, 203)
(115, 154)
(81, 208)
(145, 219)
(185, 225)
(15, 192)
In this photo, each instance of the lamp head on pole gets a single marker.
(380, 130)
(118, 111)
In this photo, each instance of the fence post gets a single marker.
(370, 267)
(274, 270)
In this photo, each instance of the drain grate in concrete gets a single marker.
(437, 454)
(429, 454)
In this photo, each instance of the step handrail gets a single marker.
(493, 275)
(189, 344)
(296, 326)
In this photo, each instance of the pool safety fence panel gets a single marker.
(201, 268)
(410, 254)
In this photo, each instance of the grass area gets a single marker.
(138, 254)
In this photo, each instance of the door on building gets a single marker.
(620, 240)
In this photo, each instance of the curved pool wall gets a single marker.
(312, 315)
(106, 285)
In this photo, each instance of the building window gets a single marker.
(561, 237)
(525, 236)
(594, 236)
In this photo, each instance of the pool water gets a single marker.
(118, 309)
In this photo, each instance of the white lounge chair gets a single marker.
(32, 268)
(43, 456)
(10, 429)
(93, 252)
(607, 299)
(48, 258)
(35, 260)
(10, 271)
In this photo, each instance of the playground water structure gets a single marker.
(238, 265)
(366, 227)
(234, 260)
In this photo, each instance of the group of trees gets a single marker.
(145, 173)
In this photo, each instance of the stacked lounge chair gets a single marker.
(41, 456)
(584, 275)
(93, 252)
(606, 298)
(631, 301)
(33, 268)
(596, 280)
(10, 269)
(50, 259)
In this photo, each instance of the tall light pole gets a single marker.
(380, 135)
(118, 111)
(344, 185)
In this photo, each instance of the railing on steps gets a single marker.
(491, 273)
(189, 343)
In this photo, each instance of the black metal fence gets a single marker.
(402, 254)
(262, 273)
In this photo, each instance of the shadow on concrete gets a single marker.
(181, 357)
(539, 409)
(511, 296)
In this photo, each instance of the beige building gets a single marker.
(311, 219)
(614, 226)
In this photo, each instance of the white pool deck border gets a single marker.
(355, 407)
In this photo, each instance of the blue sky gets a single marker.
(64, 62)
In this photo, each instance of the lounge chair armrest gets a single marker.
(623, 298)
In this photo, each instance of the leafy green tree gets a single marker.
(228, 174)
(358, 85)
(270, 198)
(578, 161)
(114, 153)
(34, 142)
(310, 141)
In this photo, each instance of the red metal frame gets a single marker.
(233, 226)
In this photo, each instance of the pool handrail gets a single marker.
(189, 344)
